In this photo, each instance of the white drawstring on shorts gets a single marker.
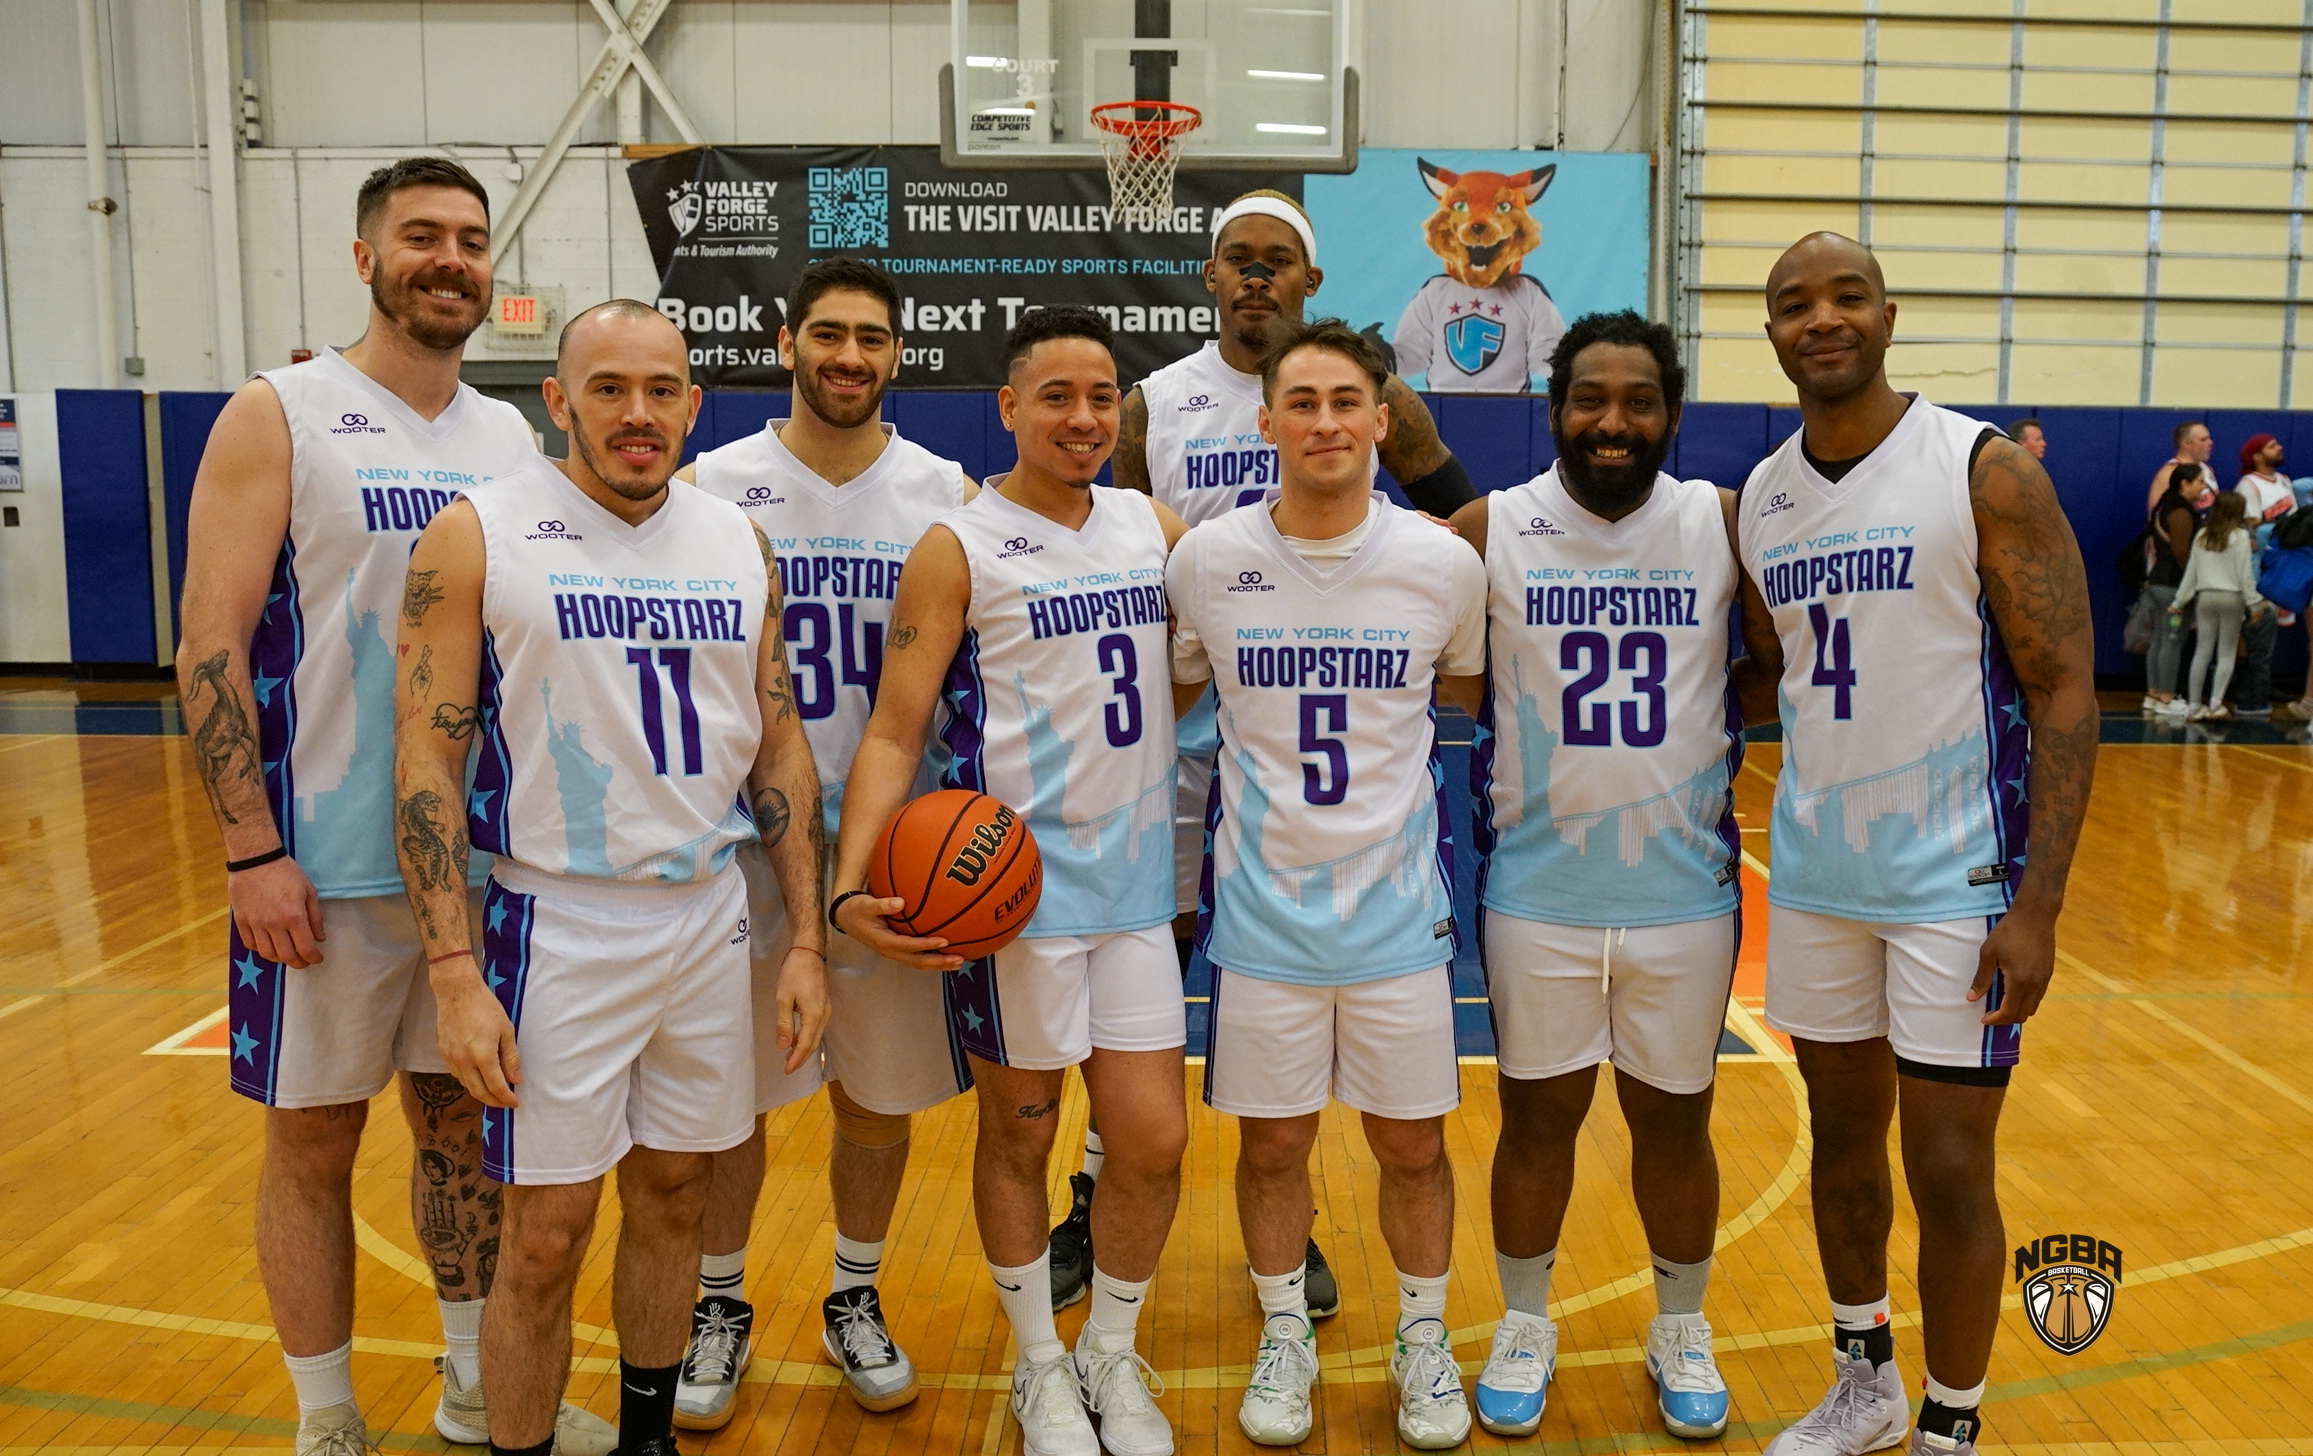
(1606, 947)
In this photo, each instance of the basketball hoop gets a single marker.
(1141, 142)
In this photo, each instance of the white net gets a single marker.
(1141, 142)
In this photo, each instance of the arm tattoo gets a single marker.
(225, 740)
(422, 680)
(1130, 461)
(900, 637)
(439, 863)
(1035, 1110)
(419, 595)
(772, 816)
(782, 694)
(1412, 448)
(459, 722)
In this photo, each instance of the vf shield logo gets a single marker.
(1017, 546)
(1250, 581)
(553, 531)
(350, 424)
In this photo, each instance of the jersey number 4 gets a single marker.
(1838, 673)
(816, 639)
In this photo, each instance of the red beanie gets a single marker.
(2249, 452)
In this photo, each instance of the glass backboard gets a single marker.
(1267, 75)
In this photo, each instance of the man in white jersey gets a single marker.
(313, 487)
(1605, 763)
(843, 500)
(1931, 634)
(1326, 618)
(612, 649)
(1037, 613)
(1192, 438)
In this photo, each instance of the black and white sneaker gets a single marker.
(856, 1339)
(1071, 1246)
(722, 1342)
(1323, 1289)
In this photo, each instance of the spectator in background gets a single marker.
(2193, 446)
(2027, 433)
(2220, 584)
(2266, 497)
(2270, 496)
(2173, 522)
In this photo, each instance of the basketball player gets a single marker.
(843, 498)
(1038, 612)
(1328, 893)
(614, 649)
(1192, 437)
(1939, 729)
(1608, 590)
(314, 485)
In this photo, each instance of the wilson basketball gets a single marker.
(967, 867)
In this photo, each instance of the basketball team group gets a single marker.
(556, 787)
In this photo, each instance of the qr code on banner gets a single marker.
(850, 207)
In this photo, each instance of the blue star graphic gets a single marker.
(271, 764)
(270, 599)
(250, 968)
(497, 914)
(972, 1018)
(481, 801)
(2016, 788)
(964, 972)
(2015, 712)
(244, 1045)
(264, 686)
(491, 978)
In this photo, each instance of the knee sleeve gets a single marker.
(862, 1128)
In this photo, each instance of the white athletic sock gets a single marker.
(1420, 1299)
(1678, 1288)
(1858, 1317)
(462, 1331)
(1116, 1305)
(856, 1263)
(1951, 1398)
(1286, 1293)
(1526, 1282)
(724, 1275)
(322, 1381)
(1095, 1153)
(1026, 1294)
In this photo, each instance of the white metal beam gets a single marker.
(222, 97)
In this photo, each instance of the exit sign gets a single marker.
(521, 313)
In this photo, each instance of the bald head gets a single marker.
(1829, 318)
(622, 388)
(1825, 255)
(585, 325)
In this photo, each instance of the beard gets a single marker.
(1252, 332)
(1609, 491)
(831, 410)
(406, 305)
(624, 482)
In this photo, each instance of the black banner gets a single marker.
(729, 227)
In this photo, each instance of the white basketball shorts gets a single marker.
(1830, 979)
(1280, 1049)
(336, 1032)
(631, 1009)
(887, 1036)
(1045, 1003)
(1652, 999)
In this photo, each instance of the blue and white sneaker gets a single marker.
(1678, 1356)
(1515, 1384)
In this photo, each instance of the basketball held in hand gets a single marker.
(966, 866)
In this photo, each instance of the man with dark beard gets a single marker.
(845, 499)
(315, 484)
(1612, 708)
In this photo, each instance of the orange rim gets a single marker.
(1147, 133)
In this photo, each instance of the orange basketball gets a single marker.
(967, 867)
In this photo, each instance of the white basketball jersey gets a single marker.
(1607, 749)
(1328, 856)
(1905, 747)
(1061, 702)
(366, 473)
(840, 549)
(619, 716)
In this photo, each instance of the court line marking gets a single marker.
(2257, 751)
(173, 1045)
(33, 740)
(2209, 1043)
(109, 963)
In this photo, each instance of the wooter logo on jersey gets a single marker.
(355, 425)
(1250, 581)
(1017, 546)
(553, 531)
(2068, 1282)
(1540, 527)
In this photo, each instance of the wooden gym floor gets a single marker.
(2165, 1105)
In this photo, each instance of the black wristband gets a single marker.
(235, 866)
(837, 904)
(1443, 491)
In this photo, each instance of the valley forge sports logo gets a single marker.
(2068, 1282)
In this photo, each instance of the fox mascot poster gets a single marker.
(1471, 264)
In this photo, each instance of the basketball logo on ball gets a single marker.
(2068, 1295)
(966, 866)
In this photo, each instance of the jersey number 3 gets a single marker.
(1646, 657)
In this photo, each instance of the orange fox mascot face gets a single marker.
(1482, 228)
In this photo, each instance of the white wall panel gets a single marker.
(35, 620)
(1442, 77)
(50, 286)
(504, 72)
(695, 49)
(150, 65)
(40, 76)
(167, 222)
(271, 270)
(816, 74)
(345, 73)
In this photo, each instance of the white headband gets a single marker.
(1283, 211)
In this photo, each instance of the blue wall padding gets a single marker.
(2101, 460)
(108, 559)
